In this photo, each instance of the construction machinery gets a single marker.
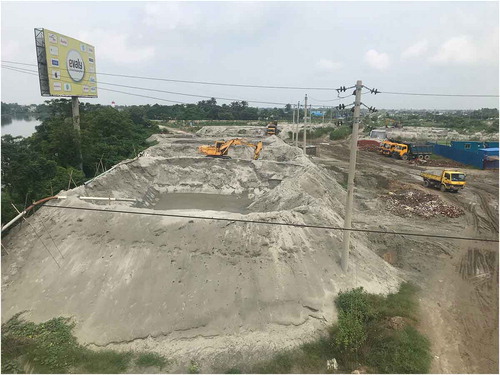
(410, 151)
(221, 148)
(447, 181)
(395, 123)
(387, 147)
(272, 128)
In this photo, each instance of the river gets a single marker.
(19, 125)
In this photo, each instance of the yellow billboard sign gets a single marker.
(70, 65)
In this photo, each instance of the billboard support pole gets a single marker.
(75, 106)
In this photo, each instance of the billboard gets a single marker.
(66, 66)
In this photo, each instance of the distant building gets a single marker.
(378, 133)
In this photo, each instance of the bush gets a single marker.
(151, 359)
(351, 332)
(403, 352)
(50, 347)
(315, 133)
(340, 133)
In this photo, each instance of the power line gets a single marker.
(157, 90)
(32, 72)
(323, 100)
(198, 82)
(429, 94)
(274, 223)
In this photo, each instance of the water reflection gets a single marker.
(7, 119)
(19, 124)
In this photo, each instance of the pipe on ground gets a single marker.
(108, 199)
(10, 223)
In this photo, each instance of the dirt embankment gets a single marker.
(193, 288)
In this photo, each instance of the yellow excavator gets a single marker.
(221, 148)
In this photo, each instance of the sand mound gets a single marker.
(192, 288)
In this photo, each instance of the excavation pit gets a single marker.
(237, 203)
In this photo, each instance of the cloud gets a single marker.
(117, 47)
(464, 50)
(237, 17)
(10, 50)
(172, 16)
(377, 60)
(415, 50)
(325, 65)
(460, 50)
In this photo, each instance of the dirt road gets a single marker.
(458, 279)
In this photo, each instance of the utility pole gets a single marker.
(75, 106)
(297, 125)
(305, 122)
(350, 179)
(293, 122)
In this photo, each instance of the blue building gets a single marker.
(472, 145)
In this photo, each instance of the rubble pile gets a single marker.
(408, 203)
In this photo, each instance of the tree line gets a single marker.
(41, 165)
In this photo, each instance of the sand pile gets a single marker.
(192, 288)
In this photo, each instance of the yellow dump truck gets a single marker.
(386, 148)
(447, 181)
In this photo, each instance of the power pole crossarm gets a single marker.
(350, 179)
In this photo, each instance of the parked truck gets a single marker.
(409, 151)
(448, 180)
(387, 147)
(272, 128)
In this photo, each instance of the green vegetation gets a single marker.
(341, 133)
(41, 165)
(316, 133)
(193, 368)
(482, 120)
(50, 347)
(151, 359)
(373, 331)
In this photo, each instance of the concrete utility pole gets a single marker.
(297, 126)
(75, 106)
(305, 122)
(350, 179)
(293, 122)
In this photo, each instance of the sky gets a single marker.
(419, 47)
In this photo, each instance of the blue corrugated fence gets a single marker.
(466, 157)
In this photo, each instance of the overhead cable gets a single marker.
(22, 70)
(157, 90)
(198, 82)
(274, 223)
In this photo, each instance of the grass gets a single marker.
(316, 133)
(340, 133)
(151, 359)
(361, 337)
(51, 347)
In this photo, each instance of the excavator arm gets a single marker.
(221, 148)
